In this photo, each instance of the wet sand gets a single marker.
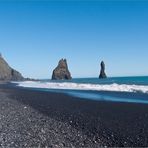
(30, 118)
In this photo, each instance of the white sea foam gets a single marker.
(77, 86)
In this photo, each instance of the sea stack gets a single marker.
(7, 73)
(61, 72)
(102, 71)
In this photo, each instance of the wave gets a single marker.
(78, 86)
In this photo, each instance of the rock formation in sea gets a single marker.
(102, 71)
(7, 73)
(61, 72)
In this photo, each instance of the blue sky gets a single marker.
(35, 35)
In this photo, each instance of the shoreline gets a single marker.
(34, 118)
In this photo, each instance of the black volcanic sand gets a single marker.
(38, 119)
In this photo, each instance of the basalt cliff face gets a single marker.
(61, 72)
(102, 71)
(7, 73)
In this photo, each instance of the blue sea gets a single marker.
(116, 89)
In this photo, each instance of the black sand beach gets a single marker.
(38, 119)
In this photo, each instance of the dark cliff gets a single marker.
(7, 73)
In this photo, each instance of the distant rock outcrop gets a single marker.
(61, 72)
(102, 71)
(7, 73)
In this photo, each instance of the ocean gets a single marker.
(117, 89)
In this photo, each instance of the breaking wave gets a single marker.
(81, 86)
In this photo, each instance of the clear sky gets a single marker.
(35, 35)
